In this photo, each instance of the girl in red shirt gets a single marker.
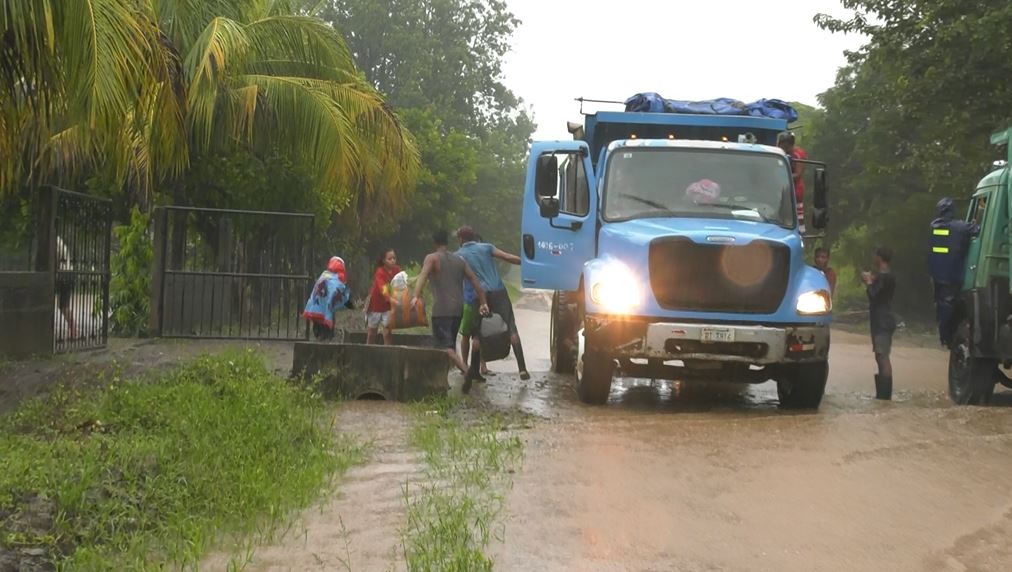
(379, 297)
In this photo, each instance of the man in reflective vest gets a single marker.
(950, 240)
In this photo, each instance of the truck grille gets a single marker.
(748, 279)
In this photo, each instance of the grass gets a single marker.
(149, 474)
(453, 518)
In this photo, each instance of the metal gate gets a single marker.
(231, 274)
(80, 241)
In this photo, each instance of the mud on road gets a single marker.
(673, 477)
(667, 477)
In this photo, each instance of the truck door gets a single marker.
(559, 215)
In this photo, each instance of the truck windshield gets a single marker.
(717, 183)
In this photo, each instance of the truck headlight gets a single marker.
(616, 289)
(814, 303)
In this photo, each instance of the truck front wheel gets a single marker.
(594, 371)
(563, 346)
(971, 379)
(803, 385)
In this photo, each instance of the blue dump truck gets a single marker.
(672, 244)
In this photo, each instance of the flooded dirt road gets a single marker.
(717, 478)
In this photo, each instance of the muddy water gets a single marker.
(716, 478)
(358, 528)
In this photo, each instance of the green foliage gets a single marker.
(907, 123)
(143, 89)
(452, 520)
(142, 474)
(441, 61)
(130, 286)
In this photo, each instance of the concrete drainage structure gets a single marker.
(358, 371)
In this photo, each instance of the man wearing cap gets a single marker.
(950, 240)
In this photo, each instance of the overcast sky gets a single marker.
(682, 49)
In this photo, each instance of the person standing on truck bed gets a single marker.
(481, 257)
(881, 286)
(785, 141)
(448, 272)
(950, 240)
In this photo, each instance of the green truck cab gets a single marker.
(982, 343)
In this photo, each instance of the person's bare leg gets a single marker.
(455, 358)
(465, 348)
(69, 317)
(388, 337)
(518, 351)
(370, 335)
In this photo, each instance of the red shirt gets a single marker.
(379, 301)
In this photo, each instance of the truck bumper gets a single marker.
(750, 344)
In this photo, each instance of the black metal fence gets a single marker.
(81, 237)
(231, 274)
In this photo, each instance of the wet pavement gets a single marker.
(688, 477)
(669, 476)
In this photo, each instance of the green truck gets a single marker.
(982, 344)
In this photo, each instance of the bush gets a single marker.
(130, 286)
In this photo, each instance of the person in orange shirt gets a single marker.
(822, 263)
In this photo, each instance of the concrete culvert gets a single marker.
(372, 396)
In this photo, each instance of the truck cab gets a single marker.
(982, 340)
(672, 245)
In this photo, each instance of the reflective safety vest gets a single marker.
(947, 250)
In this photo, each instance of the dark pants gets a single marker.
(945, 310)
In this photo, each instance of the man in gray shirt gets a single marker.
(447, 272)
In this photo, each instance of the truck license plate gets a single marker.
(716, 335)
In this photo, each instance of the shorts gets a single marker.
(882, 343)
(444, 330)
(376, 319)
(498, 303)
(467, 320)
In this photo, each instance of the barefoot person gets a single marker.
(481, 257)
(447, 272)
(378, 314)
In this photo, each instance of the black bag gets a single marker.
(494, 335)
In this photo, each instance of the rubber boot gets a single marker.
(883, 387)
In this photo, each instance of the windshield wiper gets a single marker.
(762, 217)
(648, 202)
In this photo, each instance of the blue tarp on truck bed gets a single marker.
(653, 103)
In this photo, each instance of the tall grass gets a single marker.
(150, 474)
(455, 515)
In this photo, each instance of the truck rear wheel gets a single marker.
(803, 385)
(594, 372)
(563, 347)
(971, 379)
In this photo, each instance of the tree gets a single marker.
(907, 123)
(443, 60)
(142, 87)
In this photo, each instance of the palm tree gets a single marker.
(141, 86)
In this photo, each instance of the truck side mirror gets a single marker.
(820, 214)
(549, 207)
(546, 179)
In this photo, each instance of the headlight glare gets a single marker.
(617, 290)
(814, 303)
